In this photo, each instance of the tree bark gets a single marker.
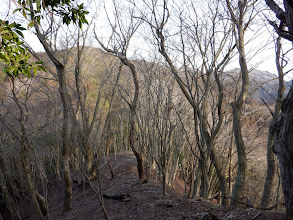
(283, 128)
(65, 137)
(66, 117)
(41, 208)
(241, 155)
(271, 163)
(4, 172)
(132, 119)
(87, 126)
(283, 148)
(238, 104)
(30, 184)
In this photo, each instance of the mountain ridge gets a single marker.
(263, 84)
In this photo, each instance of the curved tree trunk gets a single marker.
(65, 138)
(237, 111)
(209, 138)
(133, 106)
(66, 118)
(271, 163)
(271, 171)
(40, 206)
(283, 128)
(239, 30)
(30, 184)
(241, 154)
(283, 148)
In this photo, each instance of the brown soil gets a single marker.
(125, 198)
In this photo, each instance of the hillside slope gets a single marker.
(263, 84)
(125, 199)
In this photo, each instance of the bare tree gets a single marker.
(283, 129)
(89, 116)
(239, 14)
(18, 123)
(60, 69)
(120, 39)
(156, 120)
(271, 163)
(199, 75)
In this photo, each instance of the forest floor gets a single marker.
(125, 198)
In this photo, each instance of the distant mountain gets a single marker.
(263, 84)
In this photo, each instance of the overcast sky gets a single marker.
(265, 60)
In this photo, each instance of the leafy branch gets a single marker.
(14, 56)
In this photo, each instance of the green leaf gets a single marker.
(7, 37)
(30, 25)
(35, 71)
(42, 68)
(19, 33)
(3, 69)
(21, 28)
(2, 57)
(16, 10)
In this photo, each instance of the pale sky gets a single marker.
(265, 60)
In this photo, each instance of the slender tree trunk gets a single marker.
(164, 182)
(210, 145)
(132, 119)
(241, 155)
(86, 127)
(283, 128)
(203, 158)
(140, 167)
(30, 183)
(230, 169)
(204, 190)
(3, 186)
(174, 171)
(271, 172)
(58, 162)
(90, 168)
(283, 148)
(271, 163)
(221, 176)
(132, 114)
(65, 138)
(41, 208)
(237, 110)
(66, 116)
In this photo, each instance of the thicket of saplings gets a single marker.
(31, 132)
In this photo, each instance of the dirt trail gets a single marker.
(125, 199)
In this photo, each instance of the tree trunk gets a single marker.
(66, 116)
(30, 184)
(41, 208)
(271, 163)
(65, 138)
(90, 168)
(271, 172)
(221, 176)
(210, 145)
(164, 182)
(132, 116)
(283, 128)
(283, 148)
(238, 105)
(241, 155)
(58, 162)
(283, 134)
(6, 197)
